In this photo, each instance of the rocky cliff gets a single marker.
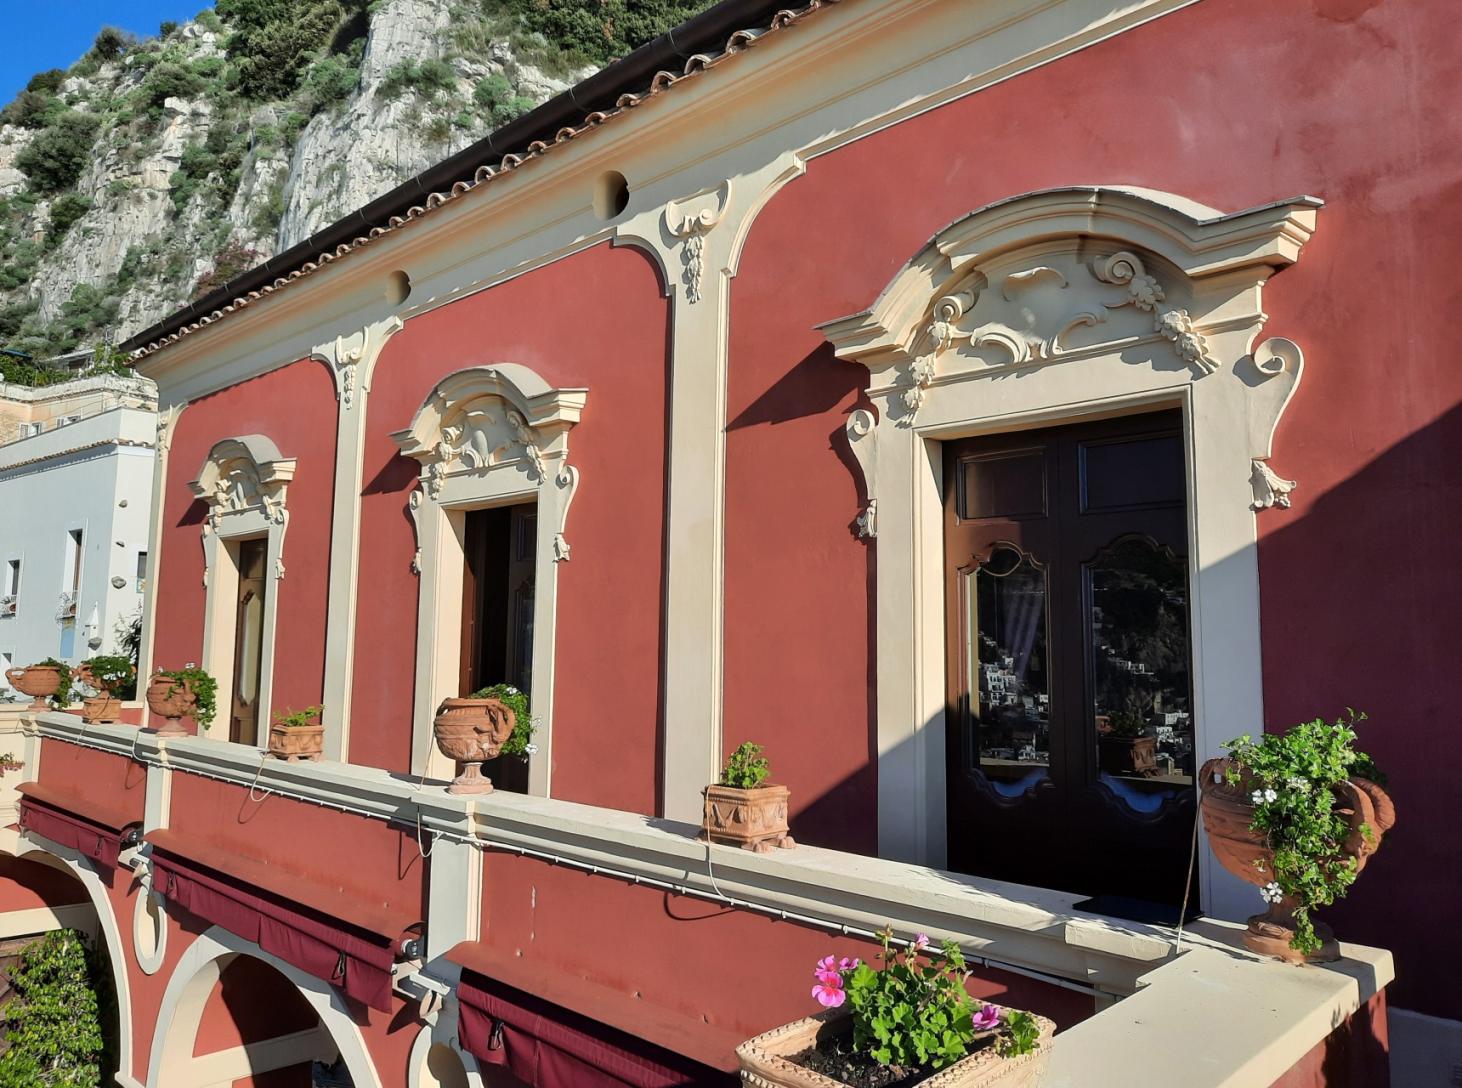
(151, 171)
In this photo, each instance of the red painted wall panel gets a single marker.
(295, 407)
(251, 1002)
(27, 884)
(671, 952)
(344, 854)
(104, 785)
(1233, 105)
(596, 320)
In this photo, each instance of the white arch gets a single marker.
(191, 984)
(72, 863)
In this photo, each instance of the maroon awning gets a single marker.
(357, 961)
(548, 1046)
(51, 816)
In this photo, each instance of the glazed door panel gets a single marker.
(1070, 756)
(248, 642)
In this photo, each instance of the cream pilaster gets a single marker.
(352, 360)
(167, 422)
(698, 239)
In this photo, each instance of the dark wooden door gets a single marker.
(1070, 747)
(248, 642)
(500, 546)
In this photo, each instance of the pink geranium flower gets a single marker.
(987, 1019)
(846, 964)
(921, 942)
(829, 989)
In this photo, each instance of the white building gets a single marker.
(75, 489)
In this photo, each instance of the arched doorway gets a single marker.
(233, 1015)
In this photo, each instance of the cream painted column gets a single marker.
(698, 241)
(352, 360)
(167, 422)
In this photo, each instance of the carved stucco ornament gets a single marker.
(244, 483)
(347, 354)
(489, 432)
(1054, 299)
(691, 227)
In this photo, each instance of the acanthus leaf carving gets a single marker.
(413, 508)
(691, 229)
(351, 355)
(1126, 269)
(1270, 488)
(567, 479)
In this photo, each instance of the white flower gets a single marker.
(1270, 795)
(531, 749)
(1271, 892)
(1257, 797)
(1299, 785)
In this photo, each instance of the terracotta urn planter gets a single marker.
(297, 743)
(471, 731)
(172, 700)
(1127, 755)
(40, 682)
(754, 819)
(767, 1060)
(1227, 815)
(100, 708)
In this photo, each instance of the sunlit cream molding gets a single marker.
(244, 483)
(692, 227)
(352, 361)
(1044, 308)
(486, 436)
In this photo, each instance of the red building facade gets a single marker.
(1202, 232)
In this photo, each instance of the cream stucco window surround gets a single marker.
(244, 482)
(486, 436)
(1050, 307)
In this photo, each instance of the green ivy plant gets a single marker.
(520, 741)
(914, 1013)
(1290, 778)
(113, 674)
(204, 689)
(53, 1023)
(299, 719)
(62, 699)
(746, 769)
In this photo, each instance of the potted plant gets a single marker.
(179, 694)
(470, 731)
(297, 735)
(910, 1022)
(1125, 747)
(509, 769)
(110, 676)
(1296, 814)
(8, 762)
(46, 683)
(744, 809)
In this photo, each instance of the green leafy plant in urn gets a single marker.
(471, 731)
(1297, 814)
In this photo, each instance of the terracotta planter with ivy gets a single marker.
(770, 1060)
(40, 682)
(1228, 817)
(471, 731)
(172, 700)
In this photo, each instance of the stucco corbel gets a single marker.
(352, 359)
(862, 431)
(691, 228)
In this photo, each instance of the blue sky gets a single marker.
(55, 34)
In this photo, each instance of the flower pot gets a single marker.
(508, 772)
(101, 708)
(297, 743)
(172, 700)
(470, 731)
(766, 1060)
(1127, 755)
(754, 819)
(1228, 816)
(40, 682)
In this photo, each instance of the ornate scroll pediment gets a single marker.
(243, 482)
(490, 419)
(244, 475)
(1101, 283)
